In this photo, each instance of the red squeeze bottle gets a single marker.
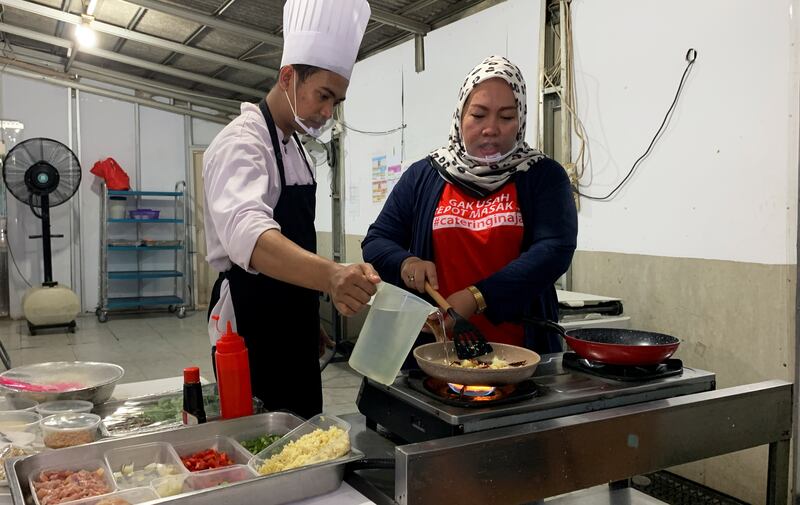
(233, 376)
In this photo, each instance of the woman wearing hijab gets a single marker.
(487, 220)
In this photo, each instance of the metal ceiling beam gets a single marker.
(464, 10)
(384, 44)
(249, 53)
(11, 68)
(419, 4)
(378, 14)
(194, 35)
(60, 25)
(72, 54)
(398, 21)
(250, 32)
(136, 62)
(140, 37)
(113, 77)
(132, 24)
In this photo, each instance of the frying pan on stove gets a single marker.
(432, 359)
(615, 346)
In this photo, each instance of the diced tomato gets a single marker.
(205, 460)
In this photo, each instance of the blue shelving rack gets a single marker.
(144, 249)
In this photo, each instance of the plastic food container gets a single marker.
(90, 466)
(169, 486)
(144, 214)
(236, 453)
(186, 483)
(321, 421)
(116, 207)
(21, 427)
(139, 465)
(64, 407)
(218, 477)
(17, 403)
(19, 420)
(67, 430)
(132, 496)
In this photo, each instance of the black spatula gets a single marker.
(469, 341)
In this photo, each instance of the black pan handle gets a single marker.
(370, 464)
(545, 323)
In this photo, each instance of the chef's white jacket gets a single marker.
(242, 187)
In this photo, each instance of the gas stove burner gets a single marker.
(445, 393)
(628, 373)
(462, 390)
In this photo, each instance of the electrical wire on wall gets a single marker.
(568, 97)
(373, 133)
(691, 57)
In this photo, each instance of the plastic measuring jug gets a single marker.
(389, 332)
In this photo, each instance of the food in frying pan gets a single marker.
(495, 364)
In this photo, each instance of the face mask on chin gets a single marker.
(313, 132)
(491, 159)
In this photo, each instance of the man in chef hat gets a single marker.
(260, 190)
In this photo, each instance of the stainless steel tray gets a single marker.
(135, 416)
(274, 489)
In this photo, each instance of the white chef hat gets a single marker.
(324, 33)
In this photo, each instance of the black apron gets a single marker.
(280, 321)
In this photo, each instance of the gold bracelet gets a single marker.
(479, 299)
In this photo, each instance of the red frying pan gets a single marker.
(614, 346)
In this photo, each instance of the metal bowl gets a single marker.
(96, 380)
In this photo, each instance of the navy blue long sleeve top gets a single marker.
(524, 287)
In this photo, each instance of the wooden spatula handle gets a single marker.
(439, 299)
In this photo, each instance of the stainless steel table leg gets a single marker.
(778, 473)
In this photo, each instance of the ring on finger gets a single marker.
(411, 278)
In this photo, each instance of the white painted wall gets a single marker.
(162, 149)
(722, 182)
(43, 110)
(203, 132)
(374, 97)
(324, 214)
(107, 128)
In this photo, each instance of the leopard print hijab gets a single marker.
(475, 178)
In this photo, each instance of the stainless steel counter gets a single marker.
(533, 461)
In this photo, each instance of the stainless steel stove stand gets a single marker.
(532, 461)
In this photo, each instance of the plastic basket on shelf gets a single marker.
(144, 214)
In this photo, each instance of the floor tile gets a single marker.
(41, 355)
(36, 341)
(102, 352)
(10, 341)
(151, 347)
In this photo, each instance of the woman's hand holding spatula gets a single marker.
(469, 341)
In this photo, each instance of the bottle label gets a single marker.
(189, 419)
